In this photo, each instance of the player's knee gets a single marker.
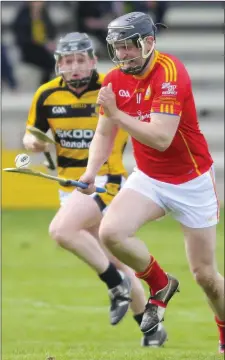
(58, 234)
(109, 235)
(205, 277)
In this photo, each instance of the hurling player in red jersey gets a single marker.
(150, 96)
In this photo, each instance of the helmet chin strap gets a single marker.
(78, 83)
(145, 56)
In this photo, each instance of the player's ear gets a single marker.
(109, 86)
(149, 41)
(95, 60)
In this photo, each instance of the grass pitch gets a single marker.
(54, 305)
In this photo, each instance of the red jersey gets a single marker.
(165, 89)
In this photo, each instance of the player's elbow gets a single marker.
(163, 143)
(162, 147)
(32, 144)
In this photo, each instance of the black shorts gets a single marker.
(113, 185)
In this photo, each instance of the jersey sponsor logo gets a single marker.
(59, 110)
(75, 138)
(169, 89)
(124, 93)
(79, 106)
(143, 117)
(95, 108)
(165, 85)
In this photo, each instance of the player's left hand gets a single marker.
(107, 98)
(90, 180)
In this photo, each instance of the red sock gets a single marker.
(155, 277)
(221, 328)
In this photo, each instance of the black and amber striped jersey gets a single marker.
(73, 119)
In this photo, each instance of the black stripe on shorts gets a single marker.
(99, 202)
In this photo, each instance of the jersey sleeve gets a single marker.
(170, 90)
(37, 116)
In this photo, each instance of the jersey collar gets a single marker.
(93, 85)
(146, 74)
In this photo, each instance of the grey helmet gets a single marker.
(135, 26)
(71, 43)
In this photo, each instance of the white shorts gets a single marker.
(112, 183)
(193, 203)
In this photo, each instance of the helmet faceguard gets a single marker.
(132, 28)
(75, 59)
(136, 40)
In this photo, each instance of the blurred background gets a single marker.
(194, 34)
(53, 305)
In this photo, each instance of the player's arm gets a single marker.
(36, 118)
(31, 143)
(99, 151)
(158, 134)
(165, 112)
(102, 144)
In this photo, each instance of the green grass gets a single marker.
(55, 305)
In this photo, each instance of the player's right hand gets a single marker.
(89, 179)
(31, 143)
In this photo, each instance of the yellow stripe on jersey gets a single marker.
(190, 153)
(171, 62)
(161, 108)
(169, 67)
(165, 69)
(165, 108)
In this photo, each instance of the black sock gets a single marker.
(138, 318)
(111, 276)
